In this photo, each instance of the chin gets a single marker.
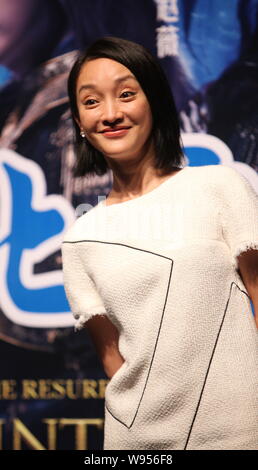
(118, 153)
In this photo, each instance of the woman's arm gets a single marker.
(105, 338)
(248, 266)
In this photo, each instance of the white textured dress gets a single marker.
(163, 268)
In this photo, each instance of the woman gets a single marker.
(155, 271)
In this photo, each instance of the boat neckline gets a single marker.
(150, 193)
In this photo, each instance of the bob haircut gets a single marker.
(152, 79)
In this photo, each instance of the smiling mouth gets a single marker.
(116, 132)
(116, 129)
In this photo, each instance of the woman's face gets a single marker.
(109, 97)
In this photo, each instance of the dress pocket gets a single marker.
(125, 390)
(140, 332)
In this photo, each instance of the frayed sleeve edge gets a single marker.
(82, 318)
(241, 248)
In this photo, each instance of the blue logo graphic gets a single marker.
(32, 226)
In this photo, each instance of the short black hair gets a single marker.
(153, 81)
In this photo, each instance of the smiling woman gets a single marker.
(167, 310)
(114, 113)
(114, 84)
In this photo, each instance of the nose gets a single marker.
(111, 111)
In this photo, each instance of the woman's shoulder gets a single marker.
(217, 176)
(227, 185)
(214, 171)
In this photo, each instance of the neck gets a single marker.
(134, 178)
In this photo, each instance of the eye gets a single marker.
(128, 93)
(89, 102)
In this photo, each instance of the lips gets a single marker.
(116, 133)
(114, 129)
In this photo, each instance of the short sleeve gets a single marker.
(239, 214)
(80, 289)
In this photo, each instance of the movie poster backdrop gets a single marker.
(52, 384)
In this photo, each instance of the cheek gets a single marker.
(145, 109)
(146, 117)
(86, 119)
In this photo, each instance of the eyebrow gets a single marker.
(117, 80)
